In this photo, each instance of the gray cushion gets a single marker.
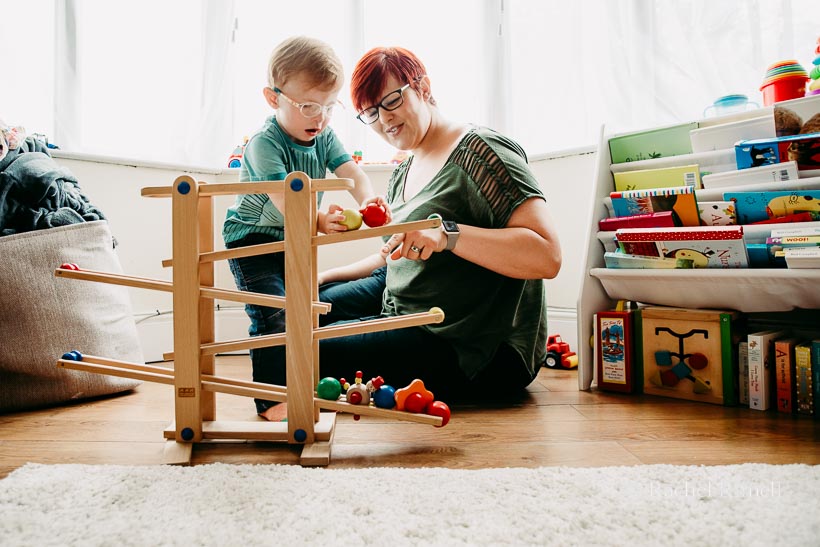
(43, 316)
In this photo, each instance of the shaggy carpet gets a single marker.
(220, 504)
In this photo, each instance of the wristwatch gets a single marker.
(452, 232)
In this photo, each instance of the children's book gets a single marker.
(761, 367)
(799, 231)
(802, 257)
(706, 246)
(804, 376)
(653, 143)
(743, 373)
(780, 173)
(717, 213)
(804, 149)
(649, 220)
(815, 373)
(615, 350)
(665, 177)
(679, 200)
(756, 206)
(796, 217)
(786, 386)
(625, 261)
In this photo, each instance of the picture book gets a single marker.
(743, 373)
(717, 213)
(780, 173)
(649, 220)
(650, 144)
(623, 260)
(815, 374)
(796, 217)
(786, 386)
(761, 368)
(615, 350)
(706, 246)
(802, 257)
(792, 117)
(804, 376)
(679, 200)
(804, 149)
(665, 177)
(756, 206)
(798, 231)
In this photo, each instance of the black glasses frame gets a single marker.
(373, 111)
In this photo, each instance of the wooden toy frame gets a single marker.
(193, 291)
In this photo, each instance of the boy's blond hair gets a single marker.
(308, 57)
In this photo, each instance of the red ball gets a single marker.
(414, 403)
(438, 408)
(374, 215)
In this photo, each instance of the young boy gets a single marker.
(304, 80)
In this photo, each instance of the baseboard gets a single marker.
(157, 332)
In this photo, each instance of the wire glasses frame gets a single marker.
(389, 102)
(308, 110)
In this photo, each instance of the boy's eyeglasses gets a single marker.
(308, 110)
(389, 102)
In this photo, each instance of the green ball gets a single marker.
(329, 389)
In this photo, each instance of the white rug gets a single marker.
(226, 505)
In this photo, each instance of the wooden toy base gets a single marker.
(193, 376)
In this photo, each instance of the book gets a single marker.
(615, 350)
(648, 220)
(800, 253)
(804, 375)
(794, 239)
(815, 373)
(757, 206)
(707, 246)
(797, 217)
(623, 260)
(802, 257)
(804, 149)
(777, 173)
(785, 383)
(761, 367)
(653, 143)
(679, 200)
(743, 373)
(798, 231)
(717, 213)
(665, 177)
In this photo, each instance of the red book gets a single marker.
(706, 246)
(649, 220)
(785, 380)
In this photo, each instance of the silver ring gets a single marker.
(415, 249)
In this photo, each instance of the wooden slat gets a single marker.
(377, 325)
(205, 216)
(261, 187)
(363, 410)
(239, 252)
(300, 226)
(256, 298)
(116, 279)
(363, 233)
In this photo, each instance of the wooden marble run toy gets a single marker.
(193, 291)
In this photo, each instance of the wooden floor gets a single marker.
(554, 424)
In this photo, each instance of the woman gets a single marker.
(485, 270)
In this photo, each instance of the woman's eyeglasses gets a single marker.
(389, 102)
(308, 110)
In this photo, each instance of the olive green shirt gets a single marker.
(485, 178)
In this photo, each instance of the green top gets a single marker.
(270, 155)
(483, 181)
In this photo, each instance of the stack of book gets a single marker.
(794, 247)
(685, 247)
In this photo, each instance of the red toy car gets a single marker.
(558, 353)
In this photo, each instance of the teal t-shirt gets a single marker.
(270, 155)
(483, 181)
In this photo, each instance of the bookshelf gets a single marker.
(746, 290)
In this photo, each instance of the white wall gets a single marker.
(142, 227)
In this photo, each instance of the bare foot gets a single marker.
(276, 413)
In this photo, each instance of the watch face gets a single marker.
(449, 226)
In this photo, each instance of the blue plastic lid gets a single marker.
(731, 100)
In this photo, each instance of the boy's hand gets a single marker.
(330, 222)
(379, 200)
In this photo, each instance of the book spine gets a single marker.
(743, 373)
(803, 376)
(759, 388)
(784, 362)
(729, 363)
(814, 361)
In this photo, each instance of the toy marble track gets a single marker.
(194, 352)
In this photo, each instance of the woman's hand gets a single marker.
(417, 245)
(330, 222)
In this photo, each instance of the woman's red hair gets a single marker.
(376, 66)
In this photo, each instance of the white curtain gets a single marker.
(181, 81)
